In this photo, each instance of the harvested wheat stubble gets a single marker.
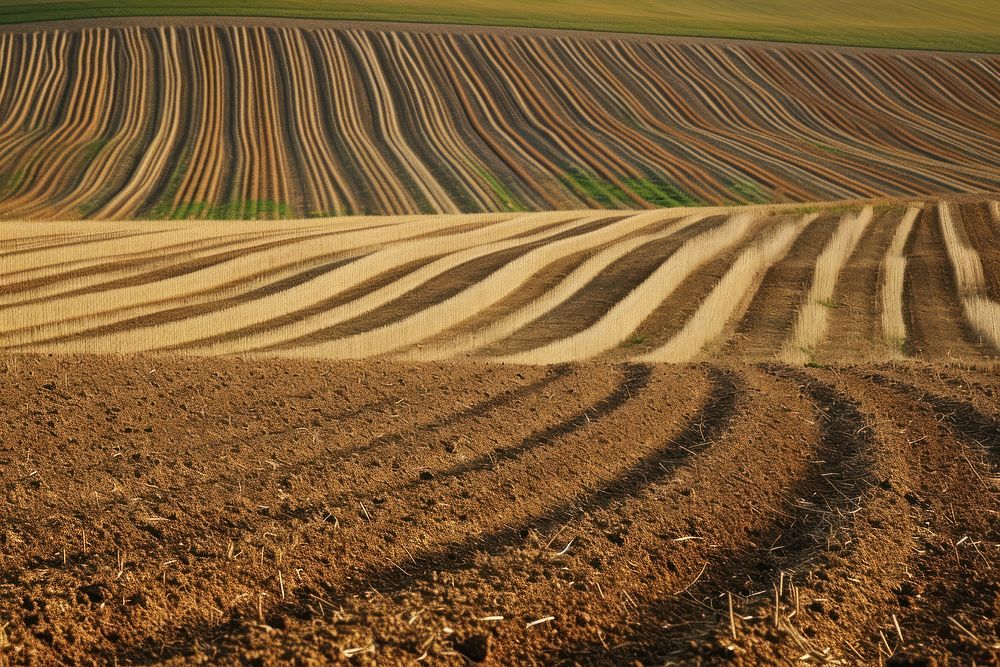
(133, 122)
(530, 288)
(981, 312)
(893, 274)
(730, 296)
(811, 321)
(623, 317)
(227, 510)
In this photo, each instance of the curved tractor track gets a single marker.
(228, 510)
(136, 122)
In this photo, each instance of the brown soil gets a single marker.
(934, 321)
(769, 318)
(166, 510)
(855, 331)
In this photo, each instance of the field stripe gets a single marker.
(622, 319)
(486, 245)
(447, 313)
(559, 294)
(730, 296)
(981, 312)
(893, 278)
(113, 304)
(811, 322)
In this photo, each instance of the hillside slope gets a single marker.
(140, 122)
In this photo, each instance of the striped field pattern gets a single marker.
(242, 121)
(799, 284)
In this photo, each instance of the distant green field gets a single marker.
(955, 25)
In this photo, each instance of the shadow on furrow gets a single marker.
(788, 542)
(979, 430)
(700, 431)
(476, 410)
(635, 379)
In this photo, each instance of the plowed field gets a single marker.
(167, 510)
(240, 119)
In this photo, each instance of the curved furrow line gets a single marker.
(495, 86)
(945, 437)
(812, 319)
(110, 302)
(85, 121)
(711, 112)
(542, 109)
(854, 331)
(163, 265)
(848, 111)
(635, 63)
(667, 594)
(583, 304)
(659, 455)
(266, 336)
(849, 526)
(489, 333)
(167, 245)
(447, 313)
(38, 99)
(447, 431)
(133, 194)
(495, 130)
(872, 97)
(731, 296)
(388, 126)
(892, 278)
(602, 80)
(275, 158)
(974, 427)
(600, 132)
(350, 122)
(244, 313)
(117, 153)
(615, 326)
(437, 123)
(78, 78)
(833, 123)
(324, 186)
(981, 312)
(200, 185)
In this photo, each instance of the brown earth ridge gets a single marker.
(169, 510)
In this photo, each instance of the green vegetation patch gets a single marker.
(506, 197)
(750, 191)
